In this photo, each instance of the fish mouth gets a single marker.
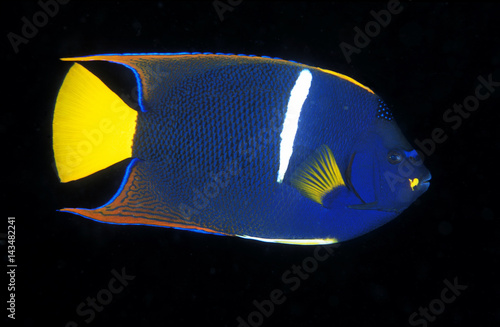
(425, 182)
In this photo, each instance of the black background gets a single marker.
(428, 58)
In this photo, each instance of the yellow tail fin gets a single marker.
(92, 128)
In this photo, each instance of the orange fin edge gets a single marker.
(125, 209)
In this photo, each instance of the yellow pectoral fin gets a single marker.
(318, 175)
(92, 128)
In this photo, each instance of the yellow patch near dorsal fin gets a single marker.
(318, 175)
(92, 128)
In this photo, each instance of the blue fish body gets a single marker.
(255, 147)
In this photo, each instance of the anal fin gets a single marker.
(136, 203)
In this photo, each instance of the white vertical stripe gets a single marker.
(297, 97)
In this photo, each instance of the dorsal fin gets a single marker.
(155, 69)
(152, 68)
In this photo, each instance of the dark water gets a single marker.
(426, 60)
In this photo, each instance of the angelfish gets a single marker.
(256, 147)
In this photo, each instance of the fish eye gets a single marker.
(394, 157)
